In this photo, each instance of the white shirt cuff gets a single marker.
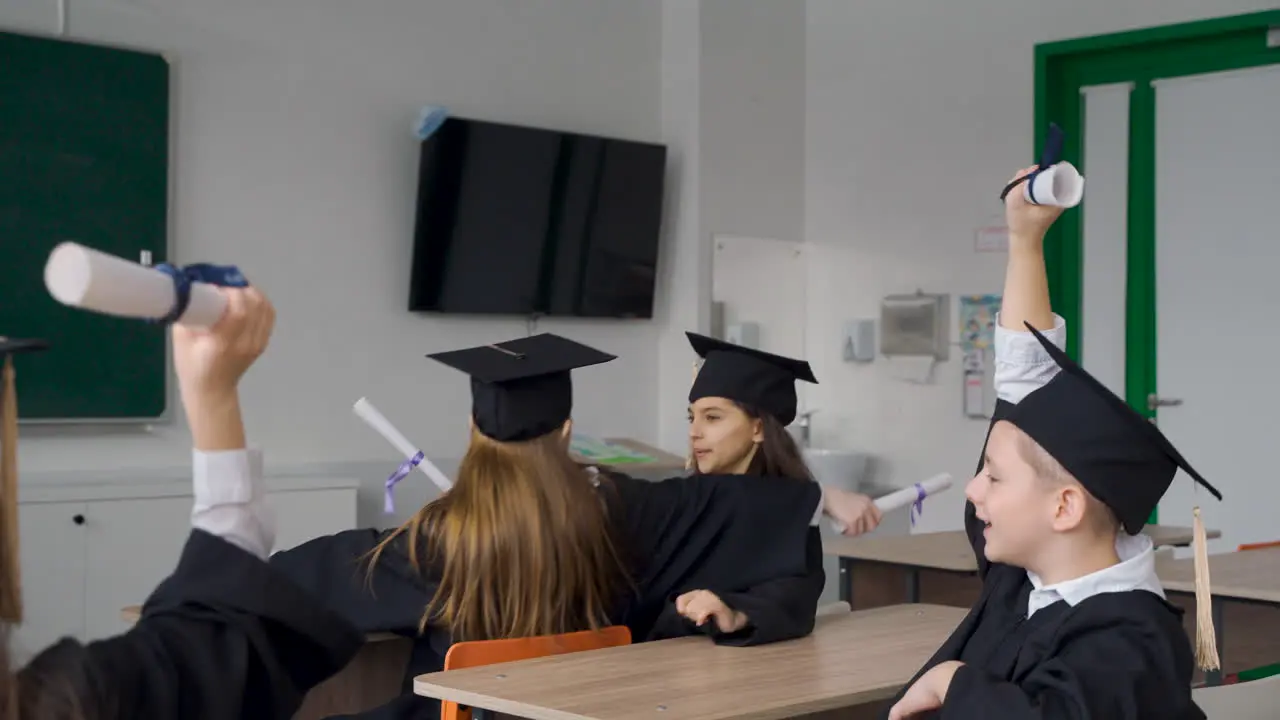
(230, 499)
(1022, 365)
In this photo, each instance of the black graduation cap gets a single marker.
(521, 389)
(759, 379)
(1118, 455)
(9, 346)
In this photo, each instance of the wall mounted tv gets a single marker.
(524, 221)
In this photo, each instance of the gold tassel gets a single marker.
(688, 458)
(10, 573)
(1206, 637)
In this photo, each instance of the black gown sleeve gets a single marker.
(972, 526)
(780, 609)
(225, 636)
(722, 533)
(1129, 664)
(335, 568)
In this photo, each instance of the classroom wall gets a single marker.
(916, 114)
(294, 158)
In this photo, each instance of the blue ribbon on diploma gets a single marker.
(917, 507)
(220, 275)
(406, 467)
(1051, 155)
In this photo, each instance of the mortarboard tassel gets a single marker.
(688, 458)
(1206, 637)
(10, 575)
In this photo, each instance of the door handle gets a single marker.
(1155, 401)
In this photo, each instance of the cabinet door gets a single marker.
(132, 546)
(305, 514)
(53, 575)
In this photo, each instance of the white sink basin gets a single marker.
(844, 469)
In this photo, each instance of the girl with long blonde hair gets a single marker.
(529, 543)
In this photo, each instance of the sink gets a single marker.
(844, 469)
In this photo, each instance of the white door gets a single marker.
(1217, 260)
(132, 546)
(53, 561)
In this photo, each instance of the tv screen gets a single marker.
(523, 221)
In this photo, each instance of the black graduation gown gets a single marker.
(1119, 656)
(779, 609)
(224, 637)
(724, 533)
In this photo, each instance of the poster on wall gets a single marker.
(978, 322)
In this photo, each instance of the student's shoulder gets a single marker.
(1138, 612)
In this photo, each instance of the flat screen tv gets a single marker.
(524, 221)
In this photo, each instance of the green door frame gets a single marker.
(1062, 69)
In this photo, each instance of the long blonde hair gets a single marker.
(521, 545)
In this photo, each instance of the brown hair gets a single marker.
(777, 455)
(520, 545)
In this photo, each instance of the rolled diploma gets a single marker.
(85, 278)
(376, 420)
(905, 496)
(908, 495)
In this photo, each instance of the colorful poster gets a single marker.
(978, 321)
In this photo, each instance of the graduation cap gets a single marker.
(521, 389)
(1119, 456)
(759, 379)
(10, 571)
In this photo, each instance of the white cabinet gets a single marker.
(87, 552)
(304, 514)
(53, 577)
(131, 546)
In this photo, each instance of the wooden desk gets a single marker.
(850, 659)
(372, 678)
(1250, 576)
(947, 552)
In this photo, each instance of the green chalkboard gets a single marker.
(84, 156)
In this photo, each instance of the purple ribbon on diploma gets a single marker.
(917, 507)
(406, 467)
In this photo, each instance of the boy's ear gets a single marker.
(1071, 508)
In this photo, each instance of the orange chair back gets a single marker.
(477, 653)
(1258, 546)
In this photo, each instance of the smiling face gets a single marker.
(723, 437)
(1022, 511)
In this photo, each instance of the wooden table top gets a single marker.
(1241, 575)
(850, 659)
(950, 550)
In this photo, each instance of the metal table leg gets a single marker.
(846, 580)
(913, 585)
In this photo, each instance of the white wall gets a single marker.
(897, 92)
(294, 159)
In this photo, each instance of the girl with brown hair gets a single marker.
(740, 403)
(527, 542)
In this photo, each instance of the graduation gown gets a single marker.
(224, 637)
(734, 535)
(1119, 656)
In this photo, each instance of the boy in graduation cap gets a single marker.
(1072, 621)
(527, 542)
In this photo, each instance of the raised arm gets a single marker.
(224, 636)
(1021, 364)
